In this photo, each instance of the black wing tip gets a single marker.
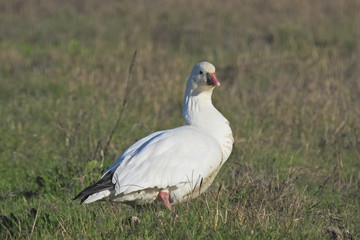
(80, 195)
(104, 183)
(76, 197)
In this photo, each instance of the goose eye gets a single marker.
(201, 72)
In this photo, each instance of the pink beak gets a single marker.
(214, 79)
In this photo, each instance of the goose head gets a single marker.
(202, 78)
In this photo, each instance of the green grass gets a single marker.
(290, 89)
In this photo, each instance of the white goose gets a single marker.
(172, 165)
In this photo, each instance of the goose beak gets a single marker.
(212, 80)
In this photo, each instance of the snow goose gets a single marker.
(172, 165)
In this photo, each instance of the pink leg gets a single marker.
(165, 198)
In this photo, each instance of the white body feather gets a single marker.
(182, 161)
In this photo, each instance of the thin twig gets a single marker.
(65, 132)
(96, 150)
(125, 100)
(34, 223)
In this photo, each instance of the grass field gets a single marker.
(290, 88)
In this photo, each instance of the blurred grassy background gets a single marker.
(290, 90)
